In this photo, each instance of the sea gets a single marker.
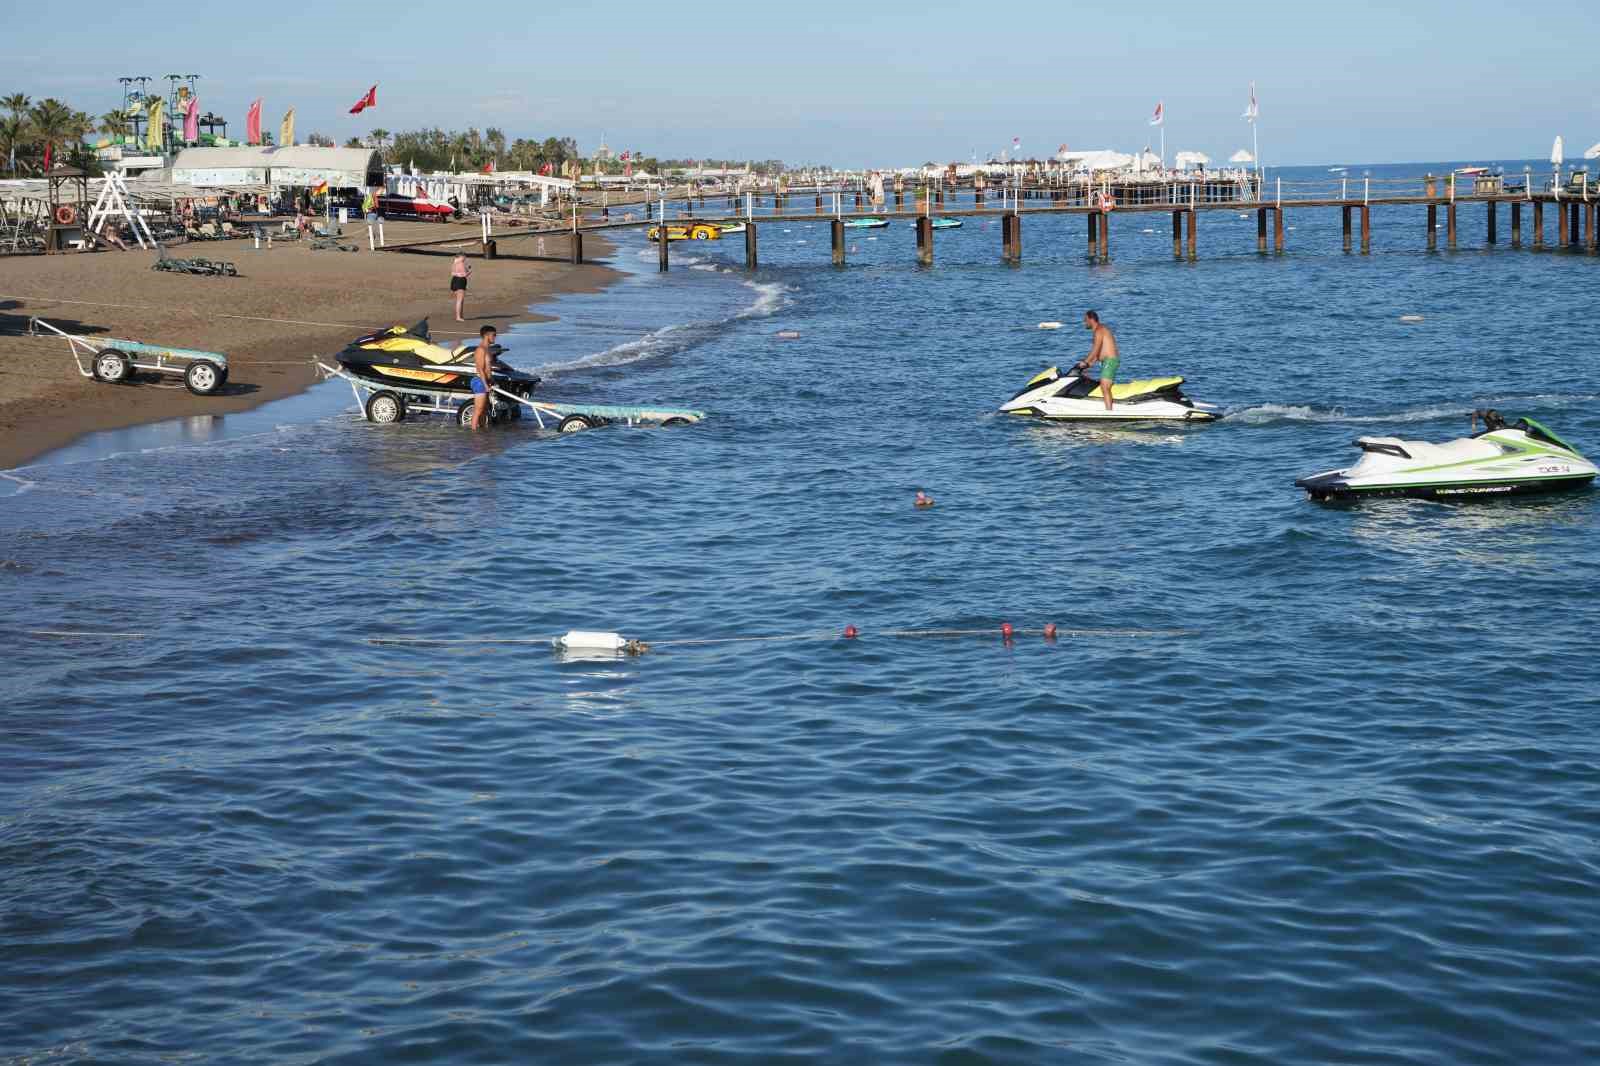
(291, 772)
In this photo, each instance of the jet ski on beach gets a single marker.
(1502, 459)
(402, 357)
(1075, 397)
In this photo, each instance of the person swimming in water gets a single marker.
(1104, 352)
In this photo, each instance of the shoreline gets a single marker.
(289, 306)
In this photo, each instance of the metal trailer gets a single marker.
(114, 360)
(387, 402)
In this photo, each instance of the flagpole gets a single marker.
(1163, 141)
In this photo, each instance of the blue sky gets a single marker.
(857, 84)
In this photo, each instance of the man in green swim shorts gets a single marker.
(1104, 352)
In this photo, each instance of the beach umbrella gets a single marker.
(1556, 157)
(1241, 156)
(1593, 152)
(1193, 159)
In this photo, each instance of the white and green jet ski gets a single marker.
(1075, 397)
(1502, 459)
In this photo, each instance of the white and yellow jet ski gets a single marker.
(1075, 397)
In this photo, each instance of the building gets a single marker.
(297, 165)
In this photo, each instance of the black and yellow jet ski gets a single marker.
(400, 357)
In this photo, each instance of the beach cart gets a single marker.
(114, 361)
(389, 402)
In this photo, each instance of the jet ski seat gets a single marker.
(1127, 390)
(1454, 451)
(431, 353)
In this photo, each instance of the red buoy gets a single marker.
(1005, 630)
(850, 632)
(1049, 631)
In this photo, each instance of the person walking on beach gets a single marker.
(459, 272)
(483, 376)
(1104, 352)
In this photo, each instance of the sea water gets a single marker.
(1332, 799)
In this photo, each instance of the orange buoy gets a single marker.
(851, 632)
(1006, 632)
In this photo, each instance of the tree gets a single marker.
(17, 103)
(55, 123)
(321, 140)
(379, 138)
(13, 136)
(114, 123)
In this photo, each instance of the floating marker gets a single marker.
(851, 632)
(1411, 318)
(591, 640)
(1049, 325)
(789, 334)
(1006, 632)
(1049, 631)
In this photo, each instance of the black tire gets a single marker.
(111, 366)
(675, 420)
(385, 408)
(464, 415)
(574, 424)
(203, 378)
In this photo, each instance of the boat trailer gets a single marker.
(390, 402)
(113, 360)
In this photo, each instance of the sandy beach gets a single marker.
(289, 305)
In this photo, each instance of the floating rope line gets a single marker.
(83, 635)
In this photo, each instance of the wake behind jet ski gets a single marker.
(1075, 397)
(402, 357)
(1502, 459)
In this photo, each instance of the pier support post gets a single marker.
(977, 199)
(1005, 238)
(1588, 228)
(1261, 231)
(1345, 211)
(1177, 234)
(750, 260)
(1561, 226)
(1538, 223)
(1492, 235)
(819, 202)
(1450, 225)
(1277, 230)
(1572, 226)
(1016, 237)
(925, 240)
(1433, 227)
(837, 226)
(1516, 223)
(1105, 237)
(577, 247)
(661, 247)
(1366, 230)
(1194, 218)
(938, 194)
(1094, 235)
(858, 200)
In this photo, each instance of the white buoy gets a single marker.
(590, 640)
(1049, 325)
(789, 334)
(1411, 318)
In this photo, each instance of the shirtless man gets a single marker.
(482, 362)
(1104, 352)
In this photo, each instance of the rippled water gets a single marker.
(1343, 811)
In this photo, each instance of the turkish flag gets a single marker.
(369, 100)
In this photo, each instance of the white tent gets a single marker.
(1103, 159)
(1184, 160)
(1556, 155)
(1241, 156)
(1593, 152)
(1147, 160)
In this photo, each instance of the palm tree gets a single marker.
(16, 103)
(13, 135)
(54, 122)
(379, 136)
(114, 123)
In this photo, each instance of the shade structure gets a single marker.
(1556, 155)
(1593, 152)
(1242, 156)
(1194, 159)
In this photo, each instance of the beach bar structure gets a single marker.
(291, 166)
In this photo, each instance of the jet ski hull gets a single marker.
(1332, 486)
(1071, 397)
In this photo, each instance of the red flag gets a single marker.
(369, 100)
(488, 168)
(48, 146)
(545, 170)
(252, 124)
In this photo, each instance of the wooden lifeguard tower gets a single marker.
(69, 203)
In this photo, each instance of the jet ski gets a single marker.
(1501, 459)
(1075, 397)
(407, 358)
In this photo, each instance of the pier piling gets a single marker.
(1433, 227)
(925, 240)
(1177, 234)
(1193, 219)
(661, 248)
(577, 248)
(1538, 223)
(1572, 225)
(1277, 230)
(1261, 231)
(1516, 224)
(1450, 225)
(1588, 228)
(1561, 226)
(750, 261)
(837, 226)
(1094, 236)
(1105, 237)
(1016, 237)
(1366, 230)
(1345, 211)
(1492, 236)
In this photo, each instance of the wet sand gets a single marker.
(289, 306)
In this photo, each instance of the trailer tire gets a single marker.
(464, 415)
(385, 408)
(574, 424)
(203, 377)
(112, 367)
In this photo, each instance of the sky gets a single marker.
(853, 85)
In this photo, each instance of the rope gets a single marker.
(815, 635)
(207, 314)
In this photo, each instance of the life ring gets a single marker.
(1107, 203)
(66, 214)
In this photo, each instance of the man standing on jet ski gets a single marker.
(483, 380)
(1104, 352)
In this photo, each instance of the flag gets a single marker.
(286, 130)
(48, 147)
(1157, 118)
(369, 100)
(488, 168)
(191, 120)
(545, 170)
(252, 124)
(155, 132)
(320, 187)
(1252, 112)
(624, 157)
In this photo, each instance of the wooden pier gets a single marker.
(1575, 208)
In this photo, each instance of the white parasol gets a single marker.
(1185, 160)
(1242, 156)
(1556, 156)
(1593, 152)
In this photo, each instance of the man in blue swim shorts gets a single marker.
(1104, 352)
(482, 363)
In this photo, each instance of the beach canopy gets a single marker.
(1241, 156)
(1103, 159)
(1192, 159)
(1147, 160)
(1593, 152)
(1556, 156)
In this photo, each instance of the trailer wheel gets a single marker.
(675, 420)
(574, 424)
(464, 415)
(112, 366)
(385, 408)
(202, 378)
